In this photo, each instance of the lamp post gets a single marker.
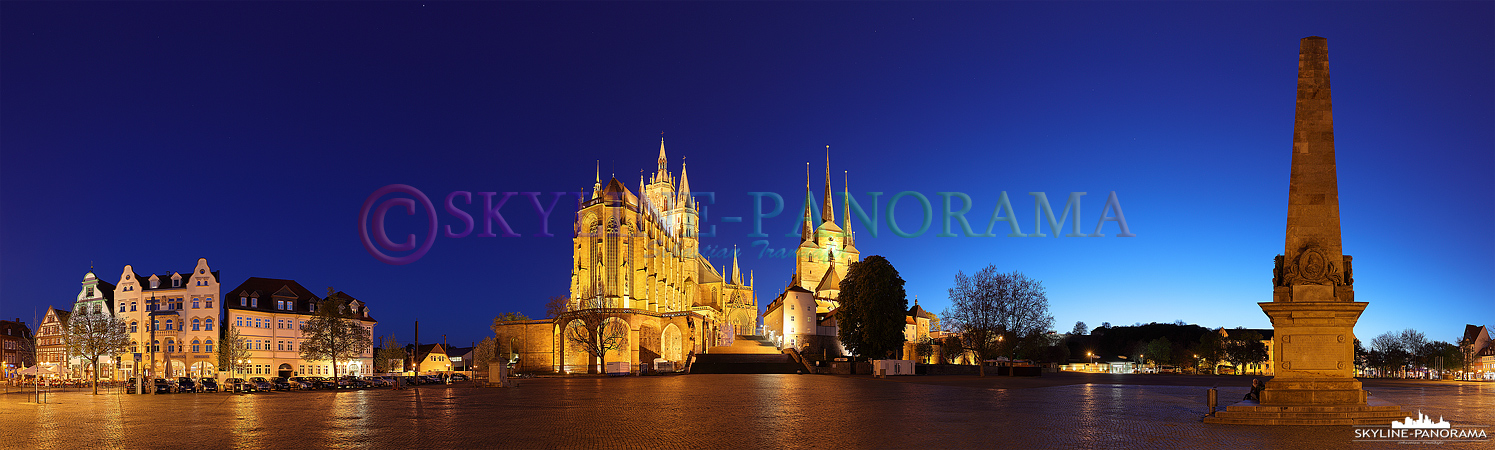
(1091, 363)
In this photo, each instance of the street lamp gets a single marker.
(1091, 363)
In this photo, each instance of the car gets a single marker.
(260, 384)
(163, 386)
(208, 385)
(280, 384)
(433, 379)
(239, 385)
(459, 377)
(351, 382)
(185, 384)
(302, 383)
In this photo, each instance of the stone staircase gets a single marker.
(748, 354)
(1374, 412)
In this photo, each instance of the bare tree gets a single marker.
(997, 314)
(596, 334)
(333, 333)
(93, 336)
(556, 306)
(233, 351)
(389, 350)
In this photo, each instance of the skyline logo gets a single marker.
(1422, 430)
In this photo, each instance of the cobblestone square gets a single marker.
(776, 411)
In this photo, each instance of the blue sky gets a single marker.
(250, 134)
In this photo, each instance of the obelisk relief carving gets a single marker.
(1313, 307)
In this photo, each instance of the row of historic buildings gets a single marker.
(176, 322)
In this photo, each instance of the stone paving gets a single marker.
(708, 411)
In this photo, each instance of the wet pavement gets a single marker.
(709, 411)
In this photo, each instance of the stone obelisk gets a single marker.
(1313, 307)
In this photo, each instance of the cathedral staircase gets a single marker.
(747, 354)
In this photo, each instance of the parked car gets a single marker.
(433, 379)
(164, 386)
(185, 384)
(351, 382)
(260, 384)
(459, 377)
(208, 385)
(280, 384)
(302, 383)
(239, 385)
(324, 382)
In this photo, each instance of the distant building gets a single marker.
(15, 346)
(1267, 338)
(269, 314)
(461, 358)
(172, 319)
(1480, 352)
(431, 359)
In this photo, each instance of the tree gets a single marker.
(997, 313)
(951, 349)
(333, 333)
(1080, 329)
(389, 350)
(93, 335)
(1387, 350)
(1159, 350)
(509, 317)
(1210, 350)
(1245, 348)
(556, 306)
(596, 328)
(1415, 344)
(1362, 357)
(924, 349)
(233, 351)
(483, 355)
(873, 308)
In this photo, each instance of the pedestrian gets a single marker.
(1256, 387)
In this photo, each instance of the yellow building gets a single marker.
(798, 317)
(636, 259)
(269, 313)
(171, 320)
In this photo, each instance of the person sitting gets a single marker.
(1256, 387)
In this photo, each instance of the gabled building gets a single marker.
(172, 319)
(51, 350)
(430, 359)
(95, 296)
(1479, 351)
(269, 314)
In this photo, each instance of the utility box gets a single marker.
(618, 368)
(662, 365)
(888, 367)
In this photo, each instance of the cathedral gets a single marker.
(803, 316)
(636, 269)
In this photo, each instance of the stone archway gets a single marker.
(649, 344)
(576, 359)
(202, 369)
(284, 371)
(672, 344)
(624, 349)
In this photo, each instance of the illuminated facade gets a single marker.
(172, 321)
(802, 316)
(269, 313)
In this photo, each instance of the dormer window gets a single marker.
(243, 301)
(155, 284)
(176, 282)
(254, 302)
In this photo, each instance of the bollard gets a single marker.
(1212, 401)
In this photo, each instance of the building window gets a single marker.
(134, 346)
(243, 301)
(134, 326)
(195, 346)
(168, 324)
(257, 323)
(280, 345)
(156, 346)
(208, 326)
(156, 324)
(176, 282)
(132, 306)
(208, 302)
(208, 345)
(155, 284)
(254, 303)
(195, 304)
(90, 292)
(170, 346)
(195, 324)
(121, 307)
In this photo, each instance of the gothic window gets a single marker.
(195, 347)
(208, 345)
(208, 326)
(195, 324)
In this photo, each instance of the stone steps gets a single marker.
(1375, 412)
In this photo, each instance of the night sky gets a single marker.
(251, 134)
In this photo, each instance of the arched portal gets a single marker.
(649, 344)
(577, 358)
(202, 369)
(616, 330)
(284, 370)
(671, 343)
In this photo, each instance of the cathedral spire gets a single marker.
(846, 207)
(827, 208)
(736, 273)
(662, 160)
(684, 198)
(597, 184)
(807, 233)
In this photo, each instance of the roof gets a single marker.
(14, 328)
(1472, 332)
(423, 351)
(918, 311)
(615, 191)
(145, 280)
(271, 290)
(830, 282)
